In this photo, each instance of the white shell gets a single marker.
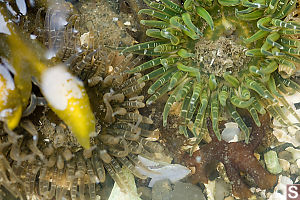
(298, 163)
(289, 134)
(280, 189)
(210, 189)
(232, 133)
(86, 39)
(160, 171)
(295, 152)
(284, 136)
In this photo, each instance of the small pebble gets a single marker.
(297, 136)
(229, 198)
(146, 193)
(280, 188)
(33, 37)
(298, 163)
(161, 190)
(294, 169)
(186, 191)
(295, 152)
(272, 163)
(231, 133)
(257, 156)
(127, 23)
(222, 189)
(284, 164)
(285, 155)
(292, 130)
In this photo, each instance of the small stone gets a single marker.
(186, 191)
(210, 189)
(285, 155)
(252, 189)
(127, 23)
(297, 136)
(272, 163)
(146, 193)
(222, 189)
(263, 194)
(85, 39)
(295, 152)
(161, 190)
(280, 188)
(287, 135)
(292, 130)
(298, 163)
(284, 164)
(33, 37)
(297, 180)
(294, 169)
(231, 133)
(257, 156)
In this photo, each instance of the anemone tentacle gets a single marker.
(211, 60)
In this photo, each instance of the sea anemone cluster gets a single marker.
(49, 163)
(42, 159)
(216, 56)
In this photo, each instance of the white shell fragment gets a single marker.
(298, 163)
(283, 135)
(289, 134)
(3, 26)
(117, 194)
(210, 189)
(59, 85)
(232, 133)
(127, 23)
(160, 171)
(295, 152)
(84, 38)
(22, 6)
(9, 82)
(280, 189)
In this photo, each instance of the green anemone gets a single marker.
(216, 56)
